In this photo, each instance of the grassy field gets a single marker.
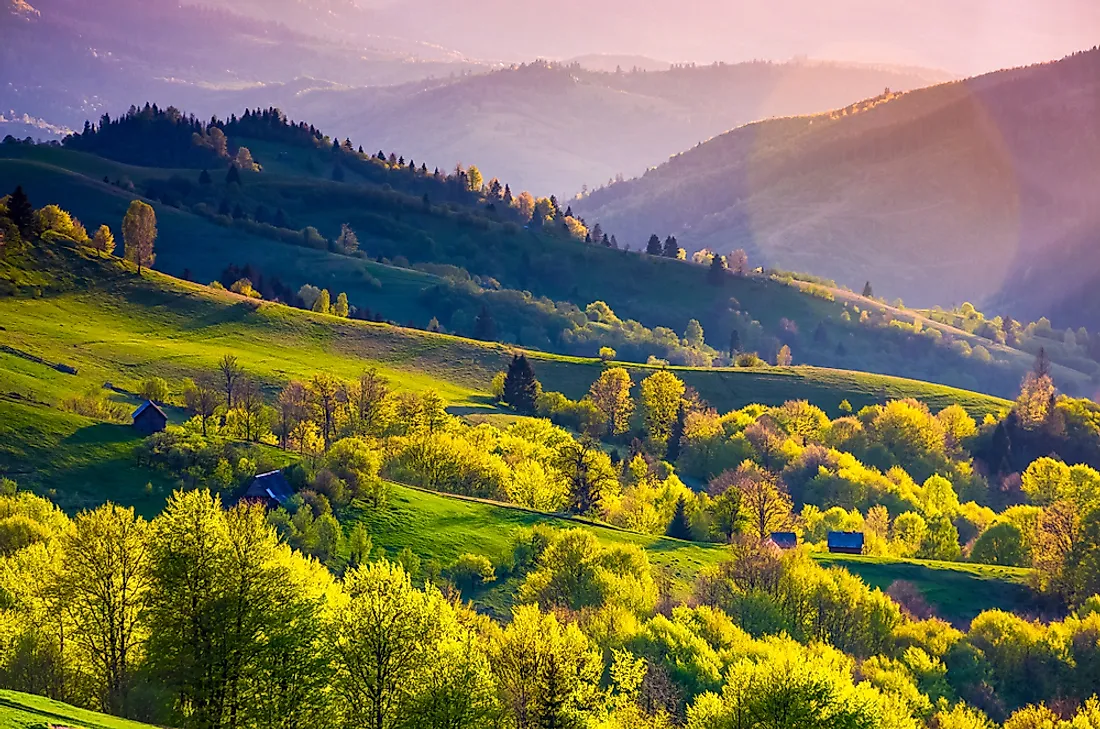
(25, 711)
(441, 527)
(98, 318)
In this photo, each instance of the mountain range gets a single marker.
(981, 190)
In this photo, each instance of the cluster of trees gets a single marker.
(204, 618)
(21, 223)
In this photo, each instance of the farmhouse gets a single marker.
(846, 542)
(271, 489)
(149, 419)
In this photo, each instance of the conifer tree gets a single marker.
(735, 343)
(204, 178)
(676, 436)
(521, 389)
(672, 247)
(654, 248)
(485, 328)
(233, 176)
(21, 213)
(868, 292)
(718, 270)
(680, 527)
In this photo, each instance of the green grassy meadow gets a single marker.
(442, 527)
(97, 317)
(25, 711)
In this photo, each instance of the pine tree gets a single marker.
(233, 176)
(868, 292)
(654, 248)
(680, 527)
(1042, 363)
(485, 328)
(521, 389)
(718, 270)
(204, 178)
(672, 247)
(224, 208)
(21, 213)
(735, 343)
(676, 435)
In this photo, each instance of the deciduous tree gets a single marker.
(139, 234)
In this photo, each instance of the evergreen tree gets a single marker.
(735, 343)
(233, 176)
(21, 213)
(485, 328)
(718, 270)
(672, 247)
(280, 219)
(868, 292)
(680, 527)
(676, 436)
(821, 335)
(224, 208)
(1042, 363)
(204, 178)
(521, 389)
(238, 212)
(654, 248)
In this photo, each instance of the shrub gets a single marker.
(154, 389)
(471, 570)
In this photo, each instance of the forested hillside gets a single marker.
(626, 538)
(964, 191)
(292, 211)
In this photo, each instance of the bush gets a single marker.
(95, 404)
(471, 570)
(154, 389)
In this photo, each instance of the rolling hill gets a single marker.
(27, 711)
(69, 309)
(536, 284)
(973, 190)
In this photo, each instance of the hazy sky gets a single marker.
(963, 36)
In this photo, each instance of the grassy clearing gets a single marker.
(24, 711)
(442, 527)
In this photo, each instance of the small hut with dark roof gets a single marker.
(271, 489)
(846, 542)
(784, 540)
(149, 419)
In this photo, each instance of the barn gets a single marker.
(784, 540)
(271, 489)
(149, 419)
(846, 542)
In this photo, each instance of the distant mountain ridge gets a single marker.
(961, 191)
(553, 128)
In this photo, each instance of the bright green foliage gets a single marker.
(139, 233)
(575, 572)
(1002, 543)
(661, 396)
(547, 673)
(611, 395)
(1046, 481)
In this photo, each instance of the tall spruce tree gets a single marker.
(654, 247)
(521, 388)
(672, 247)
(735, 343)
(485, 328)
(676, 435)
(680, 527)
(21, 213)
(868, 292)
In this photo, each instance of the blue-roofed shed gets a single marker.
(846, 542)
(272, 489)
(784, 540)
(149, 418)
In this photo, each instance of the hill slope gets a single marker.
(95, 316)
(535, 284)
(26, 711)
(940, 195)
